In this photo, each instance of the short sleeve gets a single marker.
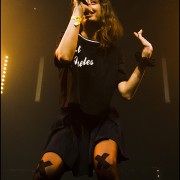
(122, 73)
(62, 63)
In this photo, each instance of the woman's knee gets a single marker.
(51, 166)
(106, 168)
(105, 160)
(105, 153)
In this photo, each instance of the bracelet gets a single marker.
(144, 60)
(77, 19)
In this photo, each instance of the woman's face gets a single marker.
(95, 14)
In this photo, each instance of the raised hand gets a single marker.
(148, 49)
(80, 6)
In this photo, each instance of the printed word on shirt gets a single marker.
(84, 62)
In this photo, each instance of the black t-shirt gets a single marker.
(90, 79)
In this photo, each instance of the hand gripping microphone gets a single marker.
(84, 2)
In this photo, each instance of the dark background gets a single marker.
(151, 126)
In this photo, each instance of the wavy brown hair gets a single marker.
(111, 28)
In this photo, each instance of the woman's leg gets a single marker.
(51, 167)
(105, 160)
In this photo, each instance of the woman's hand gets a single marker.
(80, 7)
(148, 49)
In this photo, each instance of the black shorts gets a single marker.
(74, 135)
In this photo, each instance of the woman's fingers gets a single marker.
(147, 50)
(138, 34)
(142, 39)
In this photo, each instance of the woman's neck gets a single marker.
(89, 31)
(91, 36)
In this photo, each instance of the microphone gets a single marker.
(84, 2)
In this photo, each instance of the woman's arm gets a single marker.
(128, 88)
(68, 44)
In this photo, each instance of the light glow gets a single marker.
(3, 73)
